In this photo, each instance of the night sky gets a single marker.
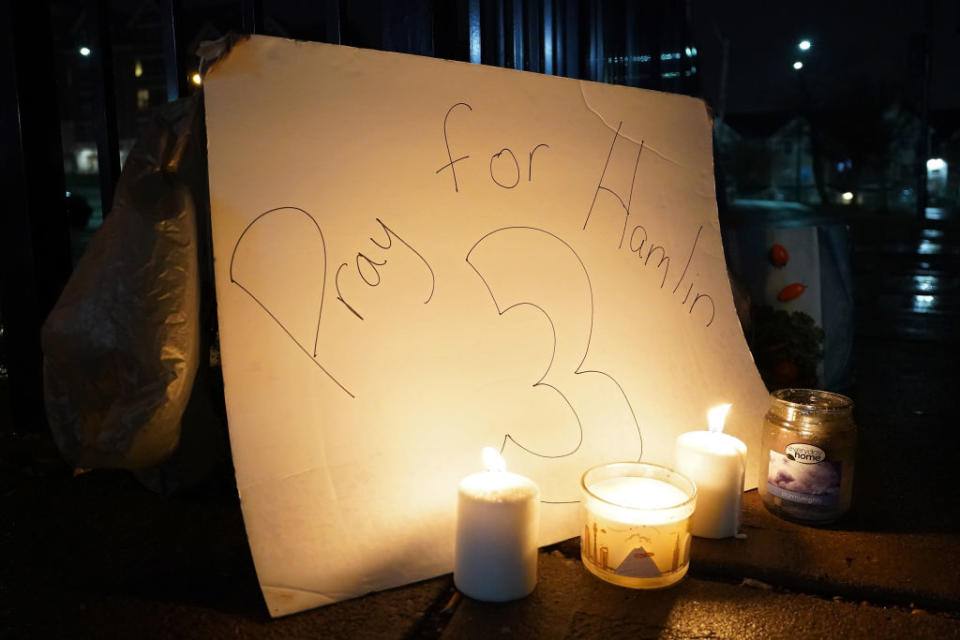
(856, 44)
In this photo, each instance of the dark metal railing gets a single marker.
(105, 103)
(34, 238)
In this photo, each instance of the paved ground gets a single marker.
(572, 604)
(98, 556)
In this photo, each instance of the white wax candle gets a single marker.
(636, 526)
(715, 462)
(632, 496)
(498, 519)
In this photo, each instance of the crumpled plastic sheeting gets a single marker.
(121, 346)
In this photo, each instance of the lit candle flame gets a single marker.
(492, 460)
(717, 416)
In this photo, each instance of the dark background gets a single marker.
(874, 114)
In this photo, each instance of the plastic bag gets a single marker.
(121, 346)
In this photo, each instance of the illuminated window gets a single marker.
(87, 160)
(143, 98)
(137, 69)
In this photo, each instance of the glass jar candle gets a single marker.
(809, 445)
(636, 530)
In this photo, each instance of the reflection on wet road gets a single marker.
(907, 276)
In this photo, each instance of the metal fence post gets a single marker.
(105, 102)
(172, 56)
(252, 18)
(35, 237)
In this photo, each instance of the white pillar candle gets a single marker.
(498, 521)
(715, 462)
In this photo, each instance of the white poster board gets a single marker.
(416, 258)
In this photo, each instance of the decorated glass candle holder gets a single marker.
(636, 530)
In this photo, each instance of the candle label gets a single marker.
(805, 453)
(802, 474)
(621, 551)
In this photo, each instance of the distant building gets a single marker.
(768, 157)
(838, 157)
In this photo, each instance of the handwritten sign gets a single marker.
(416, 258)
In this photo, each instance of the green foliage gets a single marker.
(787, 347)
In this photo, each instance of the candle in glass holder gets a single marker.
(715, 462)
(811, 439)
(636, 517)
(498, 520)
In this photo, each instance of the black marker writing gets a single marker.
(368, 269)
(516, 169)
(452, 163)
(689, 258)
(600, 186)
(506, 178)
(371, 264)
(500, 242)
(530, 162)
(263, 218)
(336, 281)
(638, 236)
(713, 307)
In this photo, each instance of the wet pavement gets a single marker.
(98, 556)
(907, 276)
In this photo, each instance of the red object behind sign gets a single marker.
(779, 255)
(791, 291)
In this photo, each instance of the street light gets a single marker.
(804, 45)
(85, 51)
(798, 65)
